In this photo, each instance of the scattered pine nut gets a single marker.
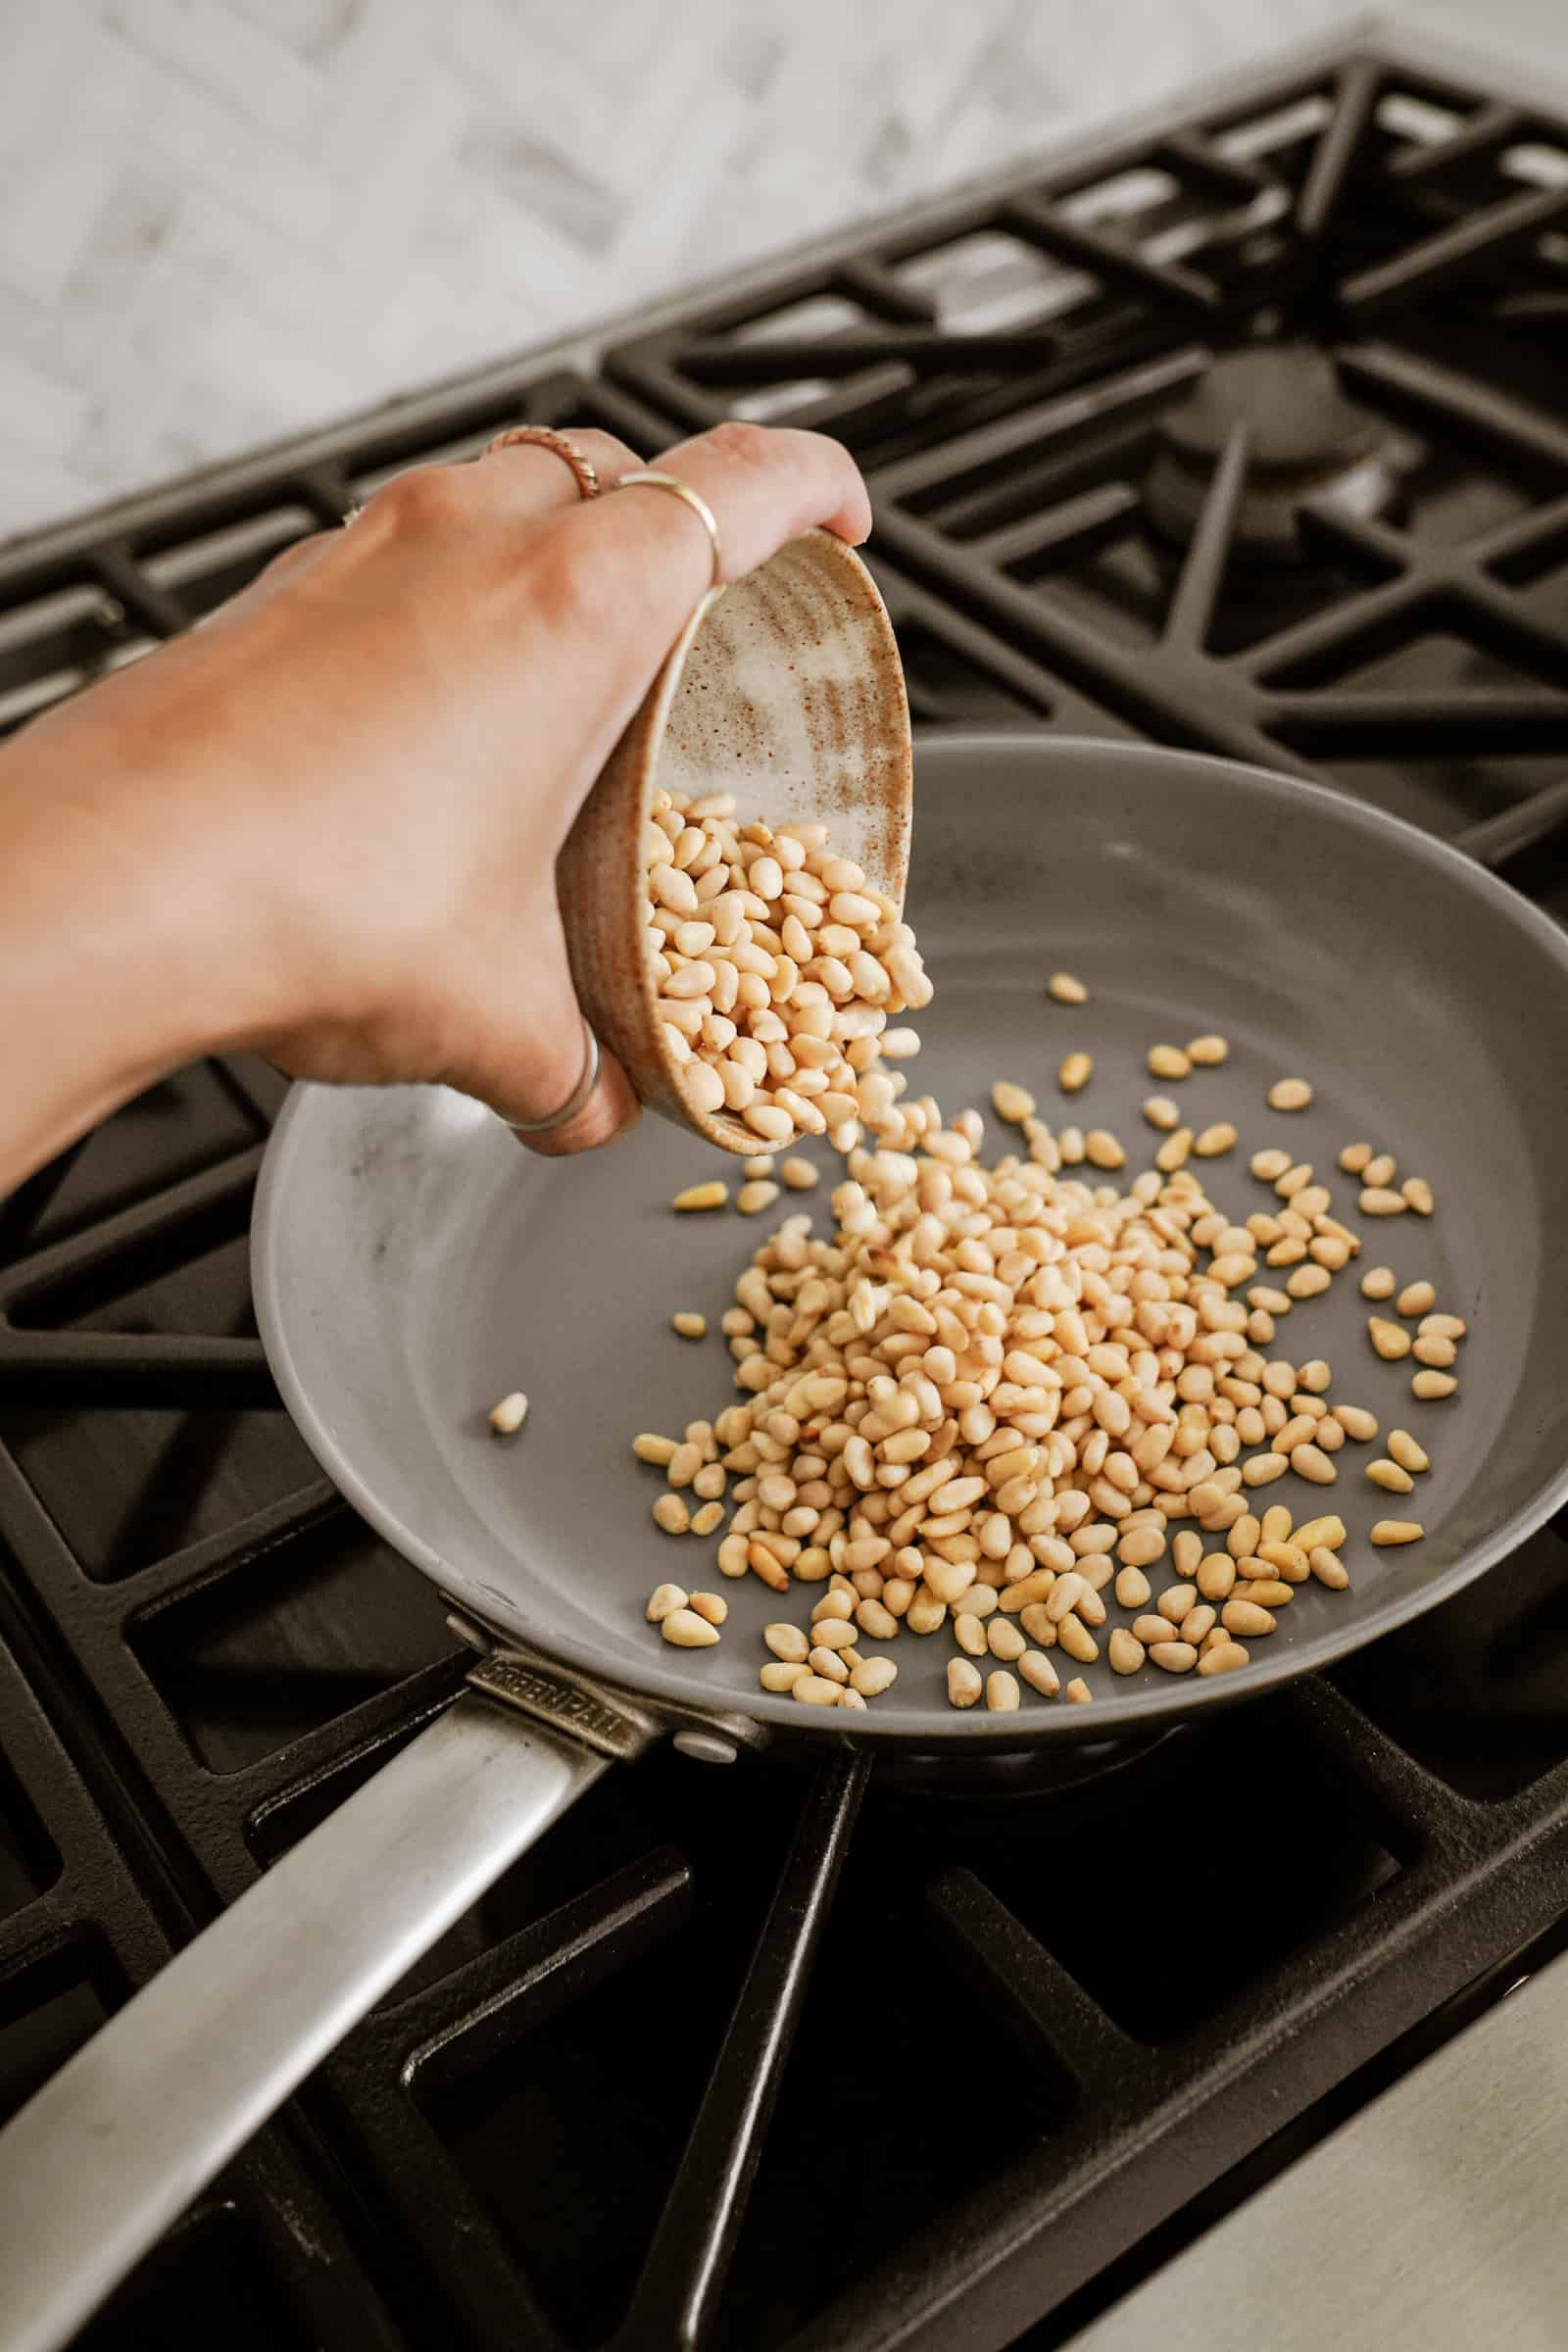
(1312, 1463)
(707, 1518)
(690, 1326)
(1378, 1202)
(1378, 1281)
(1264, 1469)
(1418, 1196)
(1161, 1111)
(1168, 1062)
(1288, 1093)
(687, 1630)
(1389, 1475)
(1328, 1568)
(1430, 1349)
(1039, 1672)
(758, 1170)
(1416, 1299)
(663, 1601)
(1353, 1157)
(1223, 1658)
(1358, 1424)
(1406, 1451)
(814, 1690)
(752, 1199)
(1103, 1150)
(1247, 1617)
(1066, 990)
(1173, 1657)
(1390, 1341)
(1001, 1691)
(508, 1415)
(1132, 1589)
(873, 1676)
(802, 1175)
(1173, 1152)
(1078, 1692)
(1269, 1166)
(1308, 1281)
(964, 1684)
(1011, 1103)
(1381, 1172)
(1074, 1073)
(1429, 1387)
(1125, 1652)
(1329, 1529)
(712, 1195)
(672, 1515)
(648, 1447)
(1295, 1180)
(776, 1676)
(1441, 1327)
(1397, 1531)
(1208, 1053)
(711, 1606)
(1221, 1137)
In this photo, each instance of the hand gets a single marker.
(327, 821)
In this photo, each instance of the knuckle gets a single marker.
(753, 446)
(426, 497)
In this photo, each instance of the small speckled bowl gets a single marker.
(786, 690)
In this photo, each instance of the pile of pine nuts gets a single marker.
(995, 1398)
(777, 967)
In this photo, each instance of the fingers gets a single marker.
(765, 485)
(522, 479)
(524, 1053)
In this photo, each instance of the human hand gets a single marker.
(355, 779)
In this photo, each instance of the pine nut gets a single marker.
(661, 1452)
(1311, 1463)
(1074, 1637)
(873, 1676)
(1208, 1053)
(711, 1606)
(1295, 1180)
(814, 1690)
(1221, 1137)
(1353, 1157)
(1416, 1299)
(1074, 1073)
(707, 1518)
(1406, 1451)
(969, 1634)
(687, 1631)
(689, 1326)
(1430, 1385)
(507, 1416)
(1014, 1103)
(1004, 1639)
(786, 1642)
(1078, 1692)
(1196, 1624)
(1418, 1196)
(1223, 1658)
(1389, 1477)
(1329, 1569)
(964, 1684)
(1378, 1202)
(1378, 1283)
(827, 1664)
(1066, 990)
(1397, 1531)
(1390, 1341)
(1442, 1327)
(1329, 1529)
(1288, 1093)
(1173, 1152)
(663, 1601)
(1132, 1589)
(1176, 1604)
(713, 1194)
(1039, 1672)
(1360, 1426)
(672, 1515)
(1173, 1657)
(1216, 1575)
(1103, 1150)
(752, 1199)
(1264, 1468)
(1428, 1349)
(1246, 1617)
(1287, 1559)
(777, 1675)
(1168, 1062)
(801, 1175)
(1125, 1652)
(1268, 1167)
(1275, 1526)
(758, 1170)
(1270, 1591)
(1161, 1111)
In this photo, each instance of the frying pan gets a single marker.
(411, 1265)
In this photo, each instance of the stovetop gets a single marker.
(772, 2059)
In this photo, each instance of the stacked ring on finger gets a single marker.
(544, 436)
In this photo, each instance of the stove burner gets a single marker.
(1307, 441)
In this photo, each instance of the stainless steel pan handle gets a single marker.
(120, 2140)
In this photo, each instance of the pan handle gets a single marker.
(118, 2144)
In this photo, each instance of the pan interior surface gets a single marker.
(412, 1264)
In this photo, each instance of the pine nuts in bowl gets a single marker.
(777, 733)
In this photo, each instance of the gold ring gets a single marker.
(697, 503)
(576, 1101)
(354, 512)
(544, 436)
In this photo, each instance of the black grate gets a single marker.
(675, 2079)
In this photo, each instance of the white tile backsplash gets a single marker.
(224, 220)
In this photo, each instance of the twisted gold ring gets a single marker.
(544, 436)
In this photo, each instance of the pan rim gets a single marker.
(1137, 1713)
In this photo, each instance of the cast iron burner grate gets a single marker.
(680, 2078)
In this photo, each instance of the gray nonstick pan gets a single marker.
(411, 1266)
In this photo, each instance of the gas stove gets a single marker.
(1241, 434)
